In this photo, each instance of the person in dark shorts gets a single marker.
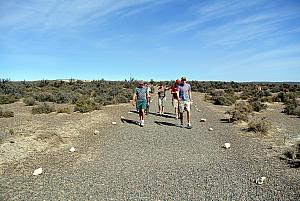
(139, 100)
(185, 101)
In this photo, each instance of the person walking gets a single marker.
(185, 101)
(175, 101)
(161, 98)
(148, 89)
(140, 101)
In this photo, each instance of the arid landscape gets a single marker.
(117, 161)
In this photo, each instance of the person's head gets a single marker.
(161, 84)
(177, 82)
(141, 83)
(183, 79)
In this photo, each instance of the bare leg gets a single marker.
(141, 114)
(188, 115)
(181, 118)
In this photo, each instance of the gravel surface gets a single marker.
(160, 161)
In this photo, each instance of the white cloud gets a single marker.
(51, 15)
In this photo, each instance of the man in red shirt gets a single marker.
(175, 102)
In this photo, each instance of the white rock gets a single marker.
(122, 117)
(129, 112)
(227, 145)
(96, 132)
(113, 123)
(202, 120)
(210, 129)
(260, 180)
(72, 149)
(38, 172)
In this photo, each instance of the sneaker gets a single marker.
(142, 124)
(181, 125)
(189, 125)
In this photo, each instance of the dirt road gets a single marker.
(160, 161)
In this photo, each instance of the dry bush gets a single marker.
(240, 112)
(43, 108)
(6, 114)
(29, 101)
(259, 126)
(63, 110)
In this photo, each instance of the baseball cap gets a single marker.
(177, 81)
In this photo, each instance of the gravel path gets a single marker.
(158, 162)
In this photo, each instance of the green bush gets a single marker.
(44, 97)
(64, 110)
(29, 101)
(61, 97)
(281, 97)
(225, 100)
(7, 99)
(290, 108)
(43, 108)
(86, 105)
(240, 112)
(259, 126)
(6, 114)
(258, 106)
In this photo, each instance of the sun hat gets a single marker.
(183, 78)
(141, 82)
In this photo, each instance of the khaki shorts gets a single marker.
(161, 101)
(184, 105)
(175, 103)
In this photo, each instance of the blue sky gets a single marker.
(257, 40)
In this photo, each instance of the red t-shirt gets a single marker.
(174, 90)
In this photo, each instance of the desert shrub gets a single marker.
(43, 108)
(225, 100)
(258, 106)
(240, 112)
(290, 108)
(29, 101)
(122, 99)
(86, 105)
(8, 98)
(62, 97)
(6, 114)
(44, 97)
(259, 126)
(64, 110)
(281, 97)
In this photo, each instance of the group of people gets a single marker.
(181, 100)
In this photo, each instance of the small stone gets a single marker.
(122, 117)
(129, 112)
(202, 120)
(227, 145)
(260, 180)
(96, 132)
(210, 129)
(38, 172)
(113, 123)
(72, 149)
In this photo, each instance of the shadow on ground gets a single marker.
(130, 121)
(162, 123)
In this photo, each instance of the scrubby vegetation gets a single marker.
(240, 112)
(64, 110)
(6, 114)
(97, 93)
(45, 108)
(259, 126)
